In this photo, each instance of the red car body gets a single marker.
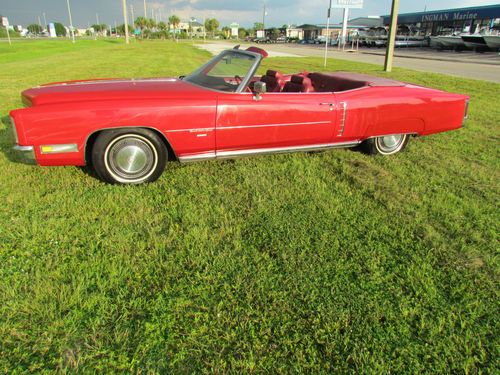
(198, 123)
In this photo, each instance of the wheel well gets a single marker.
(89, 144)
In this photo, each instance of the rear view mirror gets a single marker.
(259, 88)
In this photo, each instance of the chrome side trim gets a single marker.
(268, 125)
(466, 112)
(197, 157)
(230, 154)
(14, 129)
(196, 130)
(201, 130)
(23, 148)
(278, 150)
(343, 105)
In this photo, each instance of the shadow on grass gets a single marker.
(7, 141)
(111, 41)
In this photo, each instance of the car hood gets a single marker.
(110, 89)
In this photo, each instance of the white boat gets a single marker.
(474, 41)
(434, 42)
(451, 41)
(492, 41)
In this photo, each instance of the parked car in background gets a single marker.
(127, 129)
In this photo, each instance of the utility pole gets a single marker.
(71, 30)
(328, 14)
(344, 26)
(125, 20)
(204, 31)
(45, 19)
(145, 10)
(264, 20)
(7, 29)
(132, 13)
(97, 18)
(389, 55)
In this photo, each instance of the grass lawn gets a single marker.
(315, 262)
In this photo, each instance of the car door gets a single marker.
(277, 120)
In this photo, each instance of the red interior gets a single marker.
(320, 82)
(298, 83)
(274, 80)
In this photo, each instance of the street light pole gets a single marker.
(264, 20)
(389, 55)
(145, 12)
(70, 22)
(125, 19)
(327, 30)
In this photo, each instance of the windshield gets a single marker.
(225, 72)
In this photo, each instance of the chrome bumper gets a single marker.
(24, 154)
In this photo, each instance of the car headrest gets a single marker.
(274, 73)
(298, 79)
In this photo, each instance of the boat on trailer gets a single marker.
(492, 41)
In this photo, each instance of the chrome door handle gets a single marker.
(331, 105)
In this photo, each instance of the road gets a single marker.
(466, 64)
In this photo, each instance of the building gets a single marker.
(472, 19)
(191, 27)
(319, 31)
(294, 32)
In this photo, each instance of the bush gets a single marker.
(12, 33)
(162, 34)
(60, 29)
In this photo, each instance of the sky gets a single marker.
(244, 12)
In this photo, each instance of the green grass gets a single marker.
(316, 262)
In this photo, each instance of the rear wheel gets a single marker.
(129, 156)
(385, 145)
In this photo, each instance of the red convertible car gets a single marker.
(127, 129)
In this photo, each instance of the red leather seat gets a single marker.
(298, 84)
(274, 81)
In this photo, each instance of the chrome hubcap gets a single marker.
(130, 158)
(390, 143)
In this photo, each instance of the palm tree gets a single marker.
(174, 21)
(151, 24)
(162, 26)
(142, 23)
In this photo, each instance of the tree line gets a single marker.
(148, 28)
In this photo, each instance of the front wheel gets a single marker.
(129, 156)
(385, 145)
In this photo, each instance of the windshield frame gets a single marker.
(244, 82)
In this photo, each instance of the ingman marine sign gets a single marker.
(460, 14)
(455, 16)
